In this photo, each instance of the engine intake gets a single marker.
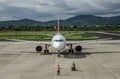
(78, 48)
(39, 48)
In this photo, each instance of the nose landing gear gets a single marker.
(58, 55)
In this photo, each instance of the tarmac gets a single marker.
(100, 60)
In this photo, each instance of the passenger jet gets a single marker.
(59, 43)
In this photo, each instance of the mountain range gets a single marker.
(76, 20)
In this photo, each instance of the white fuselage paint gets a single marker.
(58, 42)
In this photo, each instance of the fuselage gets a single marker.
(58, 42)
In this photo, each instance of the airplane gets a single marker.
(59, 42)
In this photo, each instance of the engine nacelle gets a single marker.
(78, 48)
(39, 48)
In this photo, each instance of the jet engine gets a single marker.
(39, 48)
(78, 48)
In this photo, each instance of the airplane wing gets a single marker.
(72, 42)
(38, 42)
(87, 41)
(81, 42)
(39, 46)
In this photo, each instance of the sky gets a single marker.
(45, 10)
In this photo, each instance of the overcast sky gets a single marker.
(44, 10)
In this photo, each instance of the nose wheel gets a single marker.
(58, 55)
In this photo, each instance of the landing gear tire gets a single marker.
(59, 55)
(70, 51)
(46, 51)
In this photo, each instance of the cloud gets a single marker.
(51, 9)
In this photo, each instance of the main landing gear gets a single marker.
(70, 51)
(46, 51)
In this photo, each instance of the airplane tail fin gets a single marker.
(58, 26)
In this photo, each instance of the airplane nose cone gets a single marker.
(58, 46)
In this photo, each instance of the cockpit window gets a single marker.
(59, 40)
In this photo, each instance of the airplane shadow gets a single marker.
(64, 54)
(74, 56)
